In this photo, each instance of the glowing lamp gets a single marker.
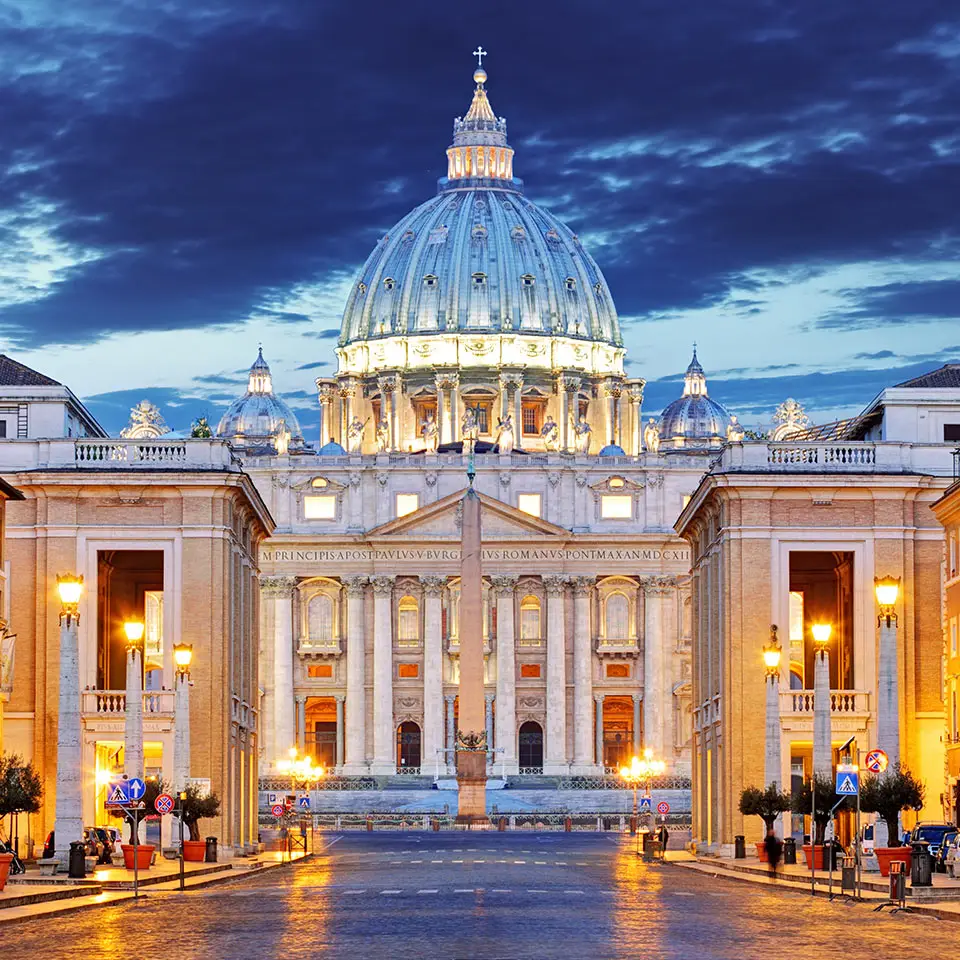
(887, 589)
(134, 631)
(771, 658)
(70, 588)
(182, 655)
(821, 633)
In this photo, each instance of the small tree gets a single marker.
(200, 429)
(888, 793)
(146, 808)
(196, 807)
(825, 797)
(20, 786)
(767, 804)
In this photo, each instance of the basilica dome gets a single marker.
(695, 419)
(260, 421)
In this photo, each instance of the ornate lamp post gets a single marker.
(888, 707)
(182, 657)
(641, 771)
(772, 654)
(133, 726)
(69, 810)
(822, 736)
(302, 770)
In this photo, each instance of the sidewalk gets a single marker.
(942, 900)
(30, 895)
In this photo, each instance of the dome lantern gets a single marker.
(694, 420)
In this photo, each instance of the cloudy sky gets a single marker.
(775, 179)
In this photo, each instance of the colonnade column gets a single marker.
(654, 663)
(432, 670)
(338, 759)
(347, 388)
(384, 740)
(518, 414)
(555, 759)
(440, 384)
(583, 746)
(506, 722)
(449, 756)
(598, 728)
(301, 708)
(488, 726)
(637, 725)
(454, 409)
(325, 396)
(636, 419)
(277, 594)
(354, 759)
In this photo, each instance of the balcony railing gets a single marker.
(617, 646)
(319, 648)
(801, 702)
(113, 703)
(89, 454)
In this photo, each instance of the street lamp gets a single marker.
(133, 712)
(822, 734)
(182, 657)
(641, 770)
(68, 827)
(772, 654)
(300, 769)
(888, 706)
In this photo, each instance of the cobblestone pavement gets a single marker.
(484, 895)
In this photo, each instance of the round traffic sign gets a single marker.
(278, 809)
(876, 761)
(663, 808)
(163, 803)
(136, 788)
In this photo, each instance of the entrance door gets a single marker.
(408, 747)
(530, 743)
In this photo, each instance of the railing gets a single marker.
(108, 454)
(530, 642)
(319, 648)
(861, 454)
(616, 645)
(531, 771)
(841, 701)
(616, 782)
(408, 771)
(113, 703)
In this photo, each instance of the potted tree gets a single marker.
(195, 807)
(20, 792)
(768, 805)
(886, 794)
(135, 816)
(825, 799)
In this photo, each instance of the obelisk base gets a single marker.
(472, 785)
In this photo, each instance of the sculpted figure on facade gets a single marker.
(735, 431)
(470, 430)
(355, 435)
(282, 439)
(383, 435)
(550, 434)
(146, 423)
(430, 433)
(582, 431)
(505, 437)
(651, 436)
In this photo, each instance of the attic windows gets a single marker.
(319, 482)
(389, 283)
(479, 279)
(437, 235)
(571, 284)
(479, 232)
(430, 280)
(528, 279)
(518, 233)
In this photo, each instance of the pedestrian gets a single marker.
(774, 849)
(663, 835)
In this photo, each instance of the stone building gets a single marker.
(794, 532)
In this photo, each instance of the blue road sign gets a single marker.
(303, 803)
(136, 788)
(117, 793)
(848, 783)
(646, 804)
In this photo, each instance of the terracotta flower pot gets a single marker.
(886, 855)
(5, 860)
(762, 851)
(194, 850)
(144, 855)
(818, 858)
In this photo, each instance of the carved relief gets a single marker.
(277, 586)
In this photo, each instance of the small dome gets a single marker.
(260, 421)
(612, 450)
(332, 449)
(694, 419)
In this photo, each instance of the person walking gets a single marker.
(774, 849)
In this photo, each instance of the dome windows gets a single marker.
(479, 279)
(430, 280)
(389, 283)
(479, 232)
(528, 279)
(518, 233)
(571, 284)
(553, 237)
(437, 235)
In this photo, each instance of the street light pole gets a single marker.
(68, 826)
(888, 707)
(640, 771)
(182, 657)
(133, 725)
(822, 736)
(772, 767)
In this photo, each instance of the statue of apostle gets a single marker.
(383, 435)
(505, 435)
(355, 434)
(735, 431)
(282, 439)
(651, 437)
(582, 431)
(430, 433)
(550, 434)
(470, 430)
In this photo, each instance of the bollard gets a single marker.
(790, 850)
(502, 825)
(76, 865)
(369, 825)
(848, 875)
(568, 825)
(633, 825)
(210, 852)
(739, 847)
(898, 882)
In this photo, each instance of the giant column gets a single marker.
(277, 593)
(133, 725)
(69, 809)
(384, 738)
(355, 759)
(432, 670)
(655, 664)
(888, 689)
(506, 720)
(471, 736)
(822, 736)
(583, 745)
(555, 760)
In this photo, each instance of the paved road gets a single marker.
(484, 895)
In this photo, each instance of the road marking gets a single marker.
(499, 891)
(501, 861)
(682, 893)
(582, 863)
(573, 891)
(537, 891)
(428, 891)
(464, 891)
(456, 861)
(479, 861)
(354, 891)
(436, 861)
(396, 861)
(385, 893)
(542, 863)
(560, 863)
(519, 861)
(473, 849)
(416, 861)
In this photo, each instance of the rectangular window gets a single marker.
(408, 671)
(320, 671)
(483, 413)
(320, 507)
(532, 415)
(407, 503)
(3, 428)
(952, 555)
(951, 432)
(530, 671)
(616, 506)
(529, 503)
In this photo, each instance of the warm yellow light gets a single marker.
(887, 589)
(283, 766)
(69, 587)
(821, 632)
(104, 777)
(134, 630)
(771, 657)
(182, 655)
(292, 753)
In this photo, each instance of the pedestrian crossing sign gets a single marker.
(303, 803)
(645, 804)
(848, 782)
(117, 794)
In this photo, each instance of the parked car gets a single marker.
(933, 833)
(940, 860)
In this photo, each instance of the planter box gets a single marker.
(818, 857)
(194, 850)
(885, 855)
(762, 852)
(5, 860)
(145, 852)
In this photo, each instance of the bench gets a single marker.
(48, 866)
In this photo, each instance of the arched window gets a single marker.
(408, 625)
(617, 617)
(320, 618)
(530, 618)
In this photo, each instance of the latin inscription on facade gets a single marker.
(492, 554)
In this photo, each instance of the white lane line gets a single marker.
(582, 863)
(519, 861)
(396, 861)
(479, 861)
(501, 861)
(542, 863)
(573, 891)
(537, 891)
(351, 892)
(428, 891)
(559, 863)
(456, 861)
(386, 893)
(464, 891)
(682, 893)
(436, 861)
(416, 861)
(497, 890)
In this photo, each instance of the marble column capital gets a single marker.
(637, 698)
(383, 585)
(277, 586)
(599, 697)
(300, 699)
(448, 698)
(340, 697)
(582, 585)
(659, 586)
(489, 697)
(433, 585)
(554, 584)
(355, 584)
(504, 584)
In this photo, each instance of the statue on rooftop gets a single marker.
(383, 435)
(582, 430)
(735, 431)
(651, 437)
(430, 433)
(505, 435)
(550, 434)
(790, 418)
(146, 423)
(355, 434)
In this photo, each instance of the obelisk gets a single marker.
(471, 732)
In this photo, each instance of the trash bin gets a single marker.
(848, 874)
(790, 850)
(502, 825)
(633, 825)
(436, 825)
(568, 825)
(210, 855)
(76, 865)
(921, 868)
(739, 847)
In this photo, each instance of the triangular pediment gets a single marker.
(441, 520)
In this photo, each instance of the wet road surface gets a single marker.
(400, 895)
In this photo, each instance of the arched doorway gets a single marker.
(408, 747)
(530, 743)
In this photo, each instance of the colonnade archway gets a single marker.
(408, 747)
(530, 747)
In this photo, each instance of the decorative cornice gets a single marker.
(382, 585)
(355, 584)
(659, 586)
(278, 587)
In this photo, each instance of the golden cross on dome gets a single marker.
(480, 53)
